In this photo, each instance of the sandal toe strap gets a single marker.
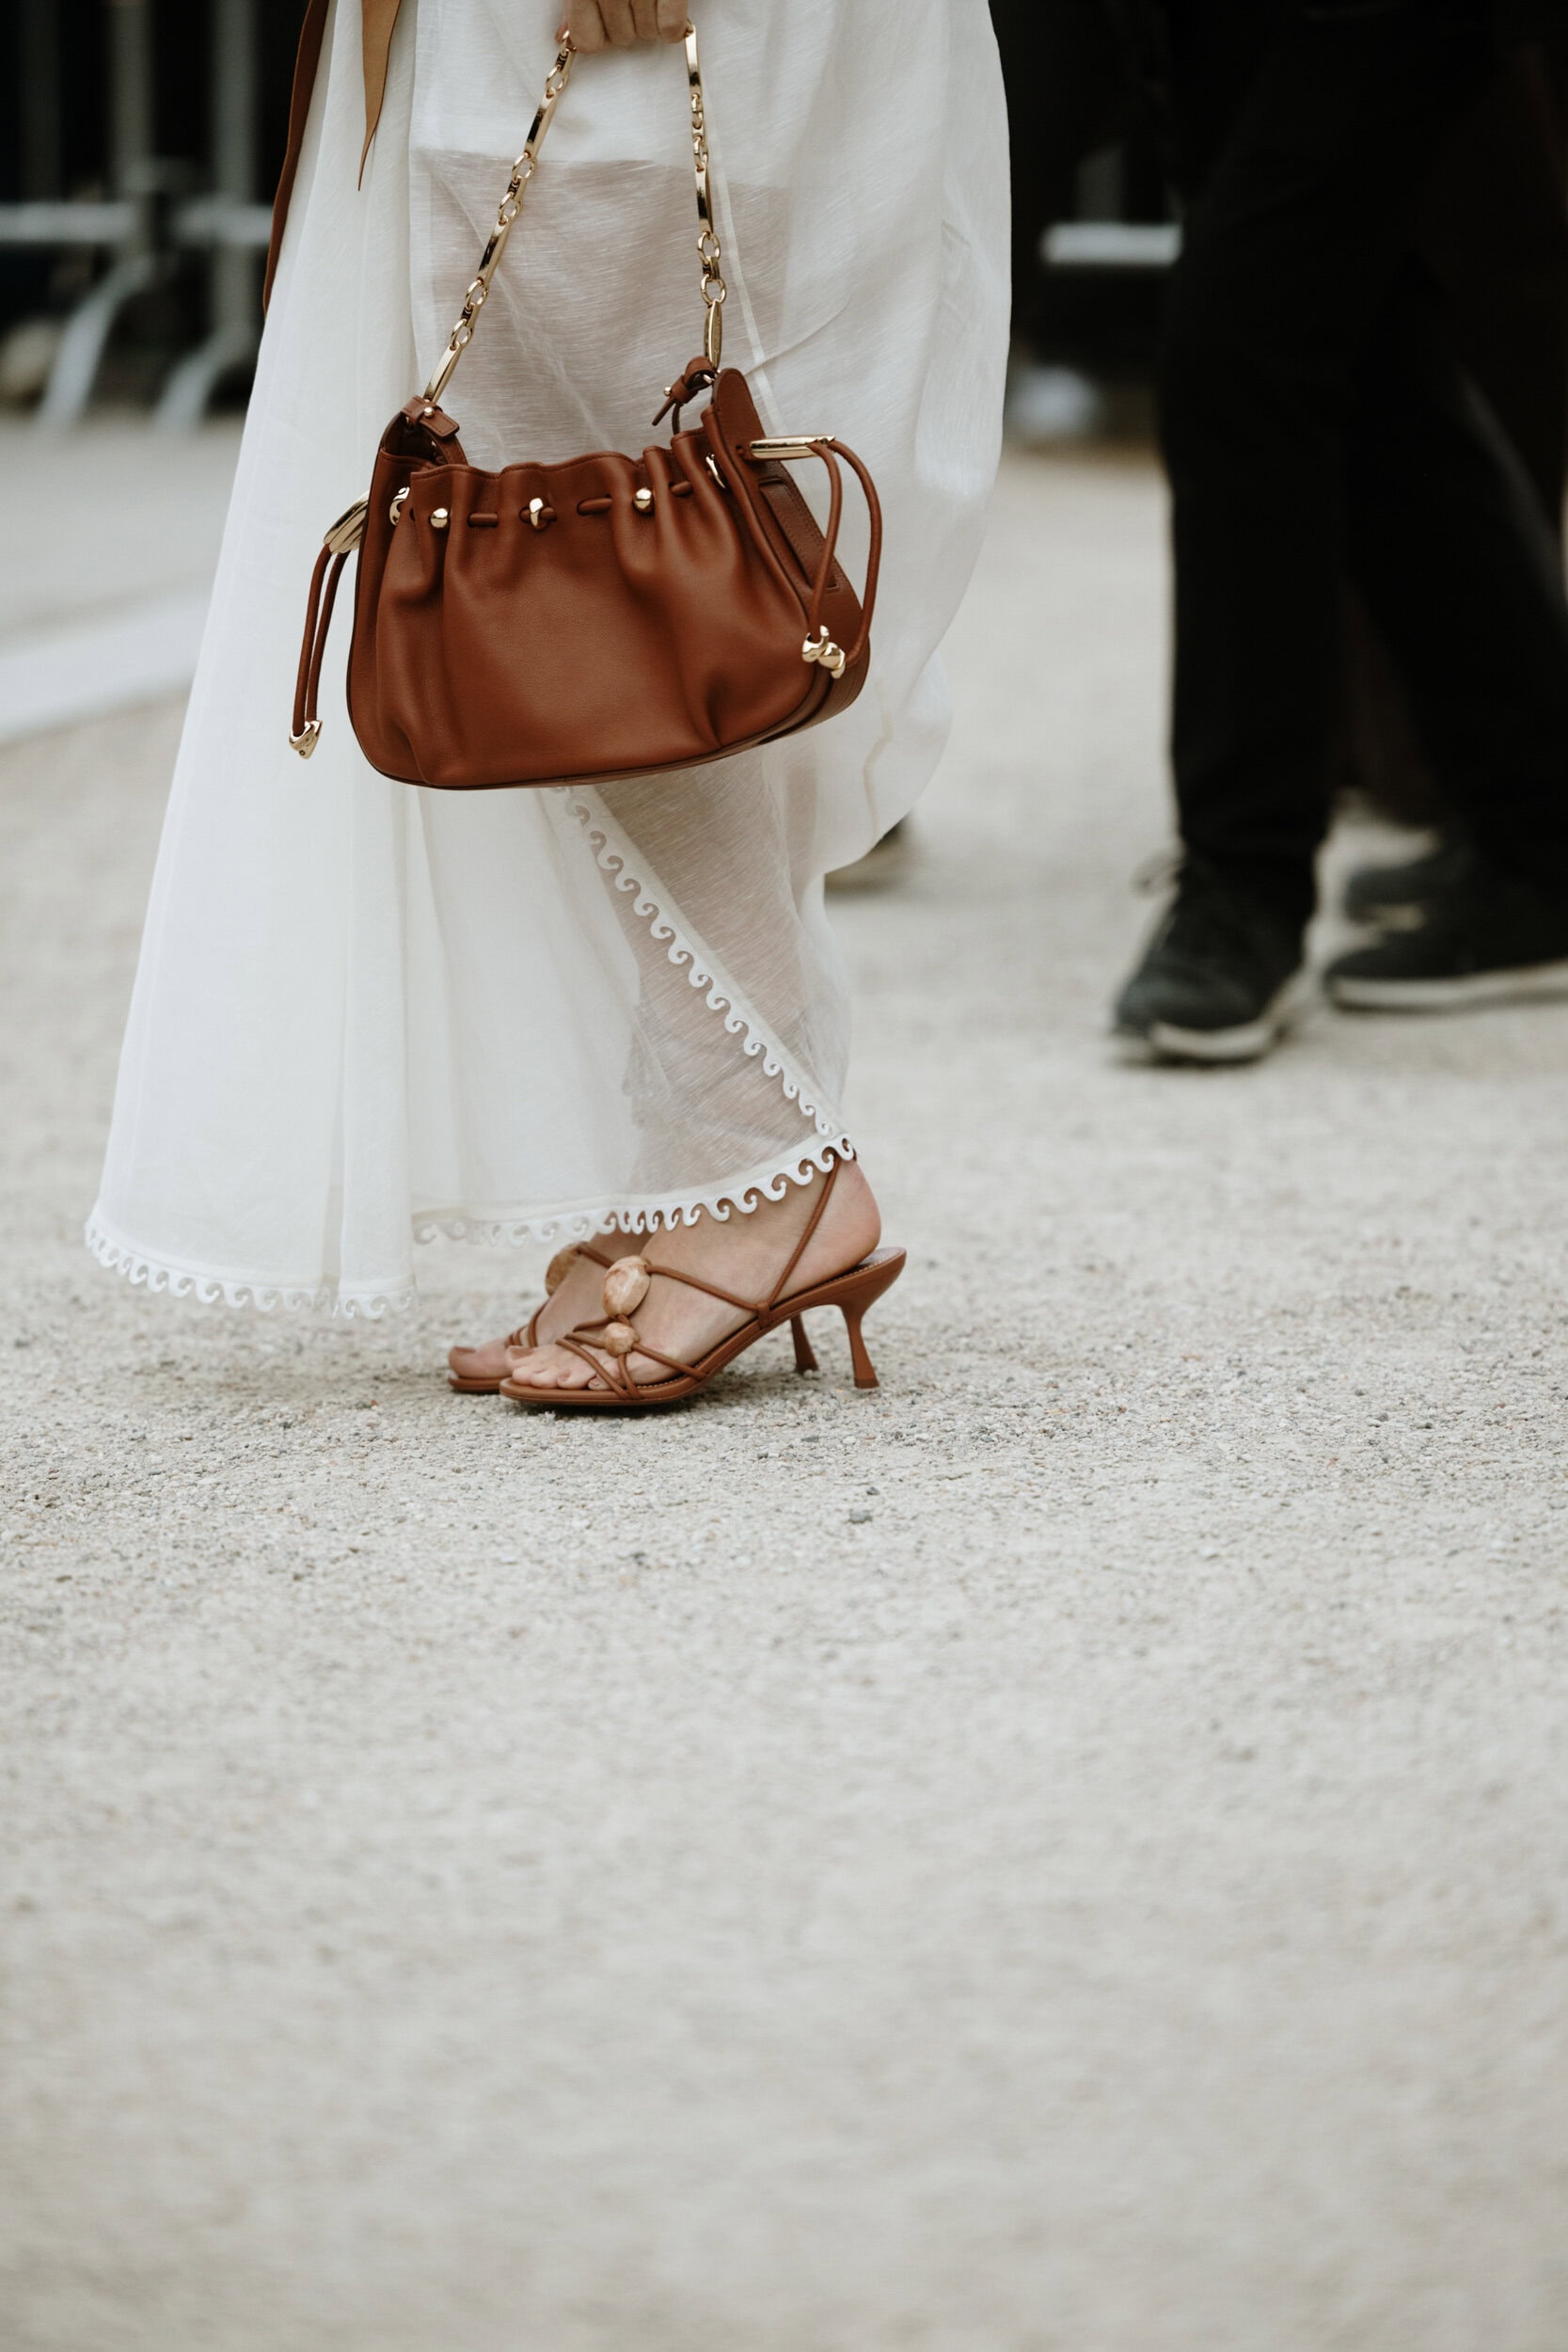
(612, 1368)
(527, 1334)
(604, 1366)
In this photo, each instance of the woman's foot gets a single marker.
(481, 1370)
(744, 1253)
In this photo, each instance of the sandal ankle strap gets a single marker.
(640, 1272)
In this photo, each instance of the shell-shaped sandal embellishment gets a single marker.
(559, 1268)
(626, 1286)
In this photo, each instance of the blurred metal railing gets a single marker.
(143, 225)
(1112, 244)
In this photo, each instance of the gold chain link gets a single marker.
(506, 212)
(709, 249)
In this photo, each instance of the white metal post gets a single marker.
(235, 323)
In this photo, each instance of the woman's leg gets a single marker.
(737, 836)
(1291, 248)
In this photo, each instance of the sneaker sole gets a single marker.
(1249, 1041)
(1526, 983)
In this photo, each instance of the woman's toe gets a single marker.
(551, 1368)
(543, 1368)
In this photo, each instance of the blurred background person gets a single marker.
(1317, 422)
(1463, 183)
(1080, 144)
(1493, 234)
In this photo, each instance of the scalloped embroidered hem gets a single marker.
(742, 1194)
(617, 859)
(616, 856)
(211, 1287)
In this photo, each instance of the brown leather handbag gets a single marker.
(605, 618)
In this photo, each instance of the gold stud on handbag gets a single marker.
(605, 618)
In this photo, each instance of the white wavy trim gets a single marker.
(739, 1192)
(220, 1290)
(617, 857)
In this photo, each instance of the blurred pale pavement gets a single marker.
(1062, 1854)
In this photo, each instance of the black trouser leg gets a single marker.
(1293, 249)
(1448, 544)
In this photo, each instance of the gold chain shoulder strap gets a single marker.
(511, 204)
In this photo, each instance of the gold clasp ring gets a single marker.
(822, 649)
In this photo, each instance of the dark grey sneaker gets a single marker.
(1392, 896)
(1488, 939)
(1219, 980)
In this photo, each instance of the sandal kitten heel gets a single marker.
(854, 1294)
(865, 1371)
(805, 1359)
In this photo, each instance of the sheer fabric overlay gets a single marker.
(365, 1013)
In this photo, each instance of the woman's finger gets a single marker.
(586, 26)
(595, 25)
(620, 25)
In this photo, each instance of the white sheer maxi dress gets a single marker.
(367, 1013)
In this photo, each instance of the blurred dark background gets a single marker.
(140, 141)
(159, 105)
(142, 136)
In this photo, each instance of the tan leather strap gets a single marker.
(830, 544)
(318, 620)
(800, 1249)
(699, 377)
(580, 1341)
(823, 445)
(695, 1283)
(436, 435)
(377, 20)
(526, 1335)
(828, 448)
(612, 1369)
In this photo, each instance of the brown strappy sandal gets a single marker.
(606, 1344)
(525, 1333)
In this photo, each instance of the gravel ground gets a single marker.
(1065, 1854)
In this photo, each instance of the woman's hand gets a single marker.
(617, 23)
